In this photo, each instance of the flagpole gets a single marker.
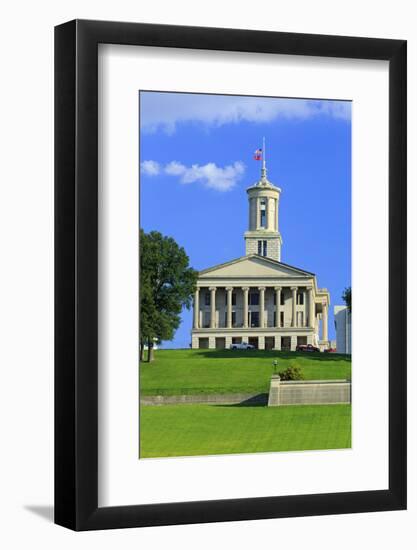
(263, 158)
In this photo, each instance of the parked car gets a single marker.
(243, 345)
(331, 350)
(307, 348)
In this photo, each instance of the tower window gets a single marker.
(262, 248)
(300, 298)
(207, 298)
(254, 298)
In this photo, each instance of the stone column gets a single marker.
(294, 303)
(277, 343)
(229, 291)
(293, 343)
(196, 308)
(310, 307)
(258, 213)
(261, 306)
(325, 321)
(304, 312)
(277, 306)
(276, 215)
(245, 290)
(212, 307)
(271, 214)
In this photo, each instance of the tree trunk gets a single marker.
(150, 350)
(142, 351)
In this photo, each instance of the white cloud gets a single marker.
(150, 167)
(165, 110)
(175, 168)
(210, 175)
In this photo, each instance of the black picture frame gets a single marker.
(76, 272)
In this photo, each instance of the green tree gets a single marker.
(167, 283)
(347, 297)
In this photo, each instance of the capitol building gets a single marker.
(257, 298)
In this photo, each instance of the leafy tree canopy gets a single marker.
(167, 283)
(347, 297)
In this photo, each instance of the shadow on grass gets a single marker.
(229, 354)
(258, 400)
(243, 404)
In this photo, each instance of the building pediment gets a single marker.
(253, 266)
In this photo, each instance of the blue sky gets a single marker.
(196, 154)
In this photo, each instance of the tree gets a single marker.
(167, 284)
(347, 297)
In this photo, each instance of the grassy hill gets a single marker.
(176, 372)
(186, 430)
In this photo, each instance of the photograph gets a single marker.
(190, 194)
(245, 274)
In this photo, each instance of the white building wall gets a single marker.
(343, 325)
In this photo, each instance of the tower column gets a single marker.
(196, 307)
(277, 306)
(229, 291)
(271, 214)
(212, 307)
(261, 306)
(276, 215)
(294, 302)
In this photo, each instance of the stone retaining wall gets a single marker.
(213, 399)
(300, 392)
(308, 392)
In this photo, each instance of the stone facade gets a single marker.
(273, 245)
(257, 298)
(309, 392)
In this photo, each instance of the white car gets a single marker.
(243, 345)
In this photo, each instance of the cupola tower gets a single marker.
(263, 236)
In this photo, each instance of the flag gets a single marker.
(258, 154)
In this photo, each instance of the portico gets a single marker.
(277, 301)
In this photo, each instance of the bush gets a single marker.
(293, 372)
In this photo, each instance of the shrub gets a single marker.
(293, 372)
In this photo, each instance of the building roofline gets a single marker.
(256, 256)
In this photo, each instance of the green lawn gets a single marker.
(177, 372)
(189, 430)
